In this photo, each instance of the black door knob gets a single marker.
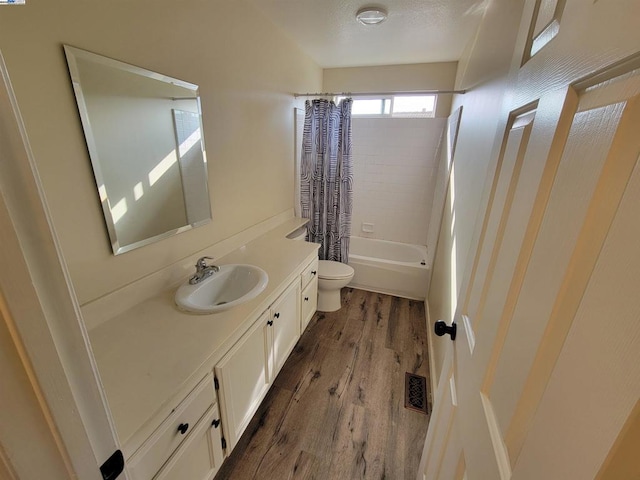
(441, 328)
(183, 427)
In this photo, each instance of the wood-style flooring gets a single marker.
(336, 410)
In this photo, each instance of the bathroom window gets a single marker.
(371, 106)
(404, 106)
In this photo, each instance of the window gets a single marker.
(371, 106)
(411, 106)
(419, 106)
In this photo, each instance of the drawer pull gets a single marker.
(306, 299)
(276, 315)
(216, 423)
(270, 322)
(313, 272)
(183, 427)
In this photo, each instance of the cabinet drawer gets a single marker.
(309, 302)
(200, 456)
(309, 273)
(146, 462)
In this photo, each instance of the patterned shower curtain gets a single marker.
(326, 177)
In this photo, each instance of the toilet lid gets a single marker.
(330, 269)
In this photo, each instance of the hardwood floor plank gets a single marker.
(304, 467)
(336, 410)
(249, 453)
(351, 443)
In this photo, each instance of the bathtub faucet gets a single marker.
(203, 270)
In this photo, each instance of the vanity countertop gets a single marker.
(153, 351)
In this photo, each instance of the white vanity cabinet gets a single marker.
(246, 372)
(309, 295)
(170, 421)
(187, 444)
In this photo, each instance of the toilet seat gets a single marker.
(330, 270)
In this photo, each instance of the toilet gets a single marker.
(332, 276)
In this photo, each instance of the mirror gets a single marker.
(144, 135)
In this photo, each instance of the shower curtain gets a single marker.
(326, 177)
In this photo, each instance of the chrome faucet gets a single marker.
(203, 270)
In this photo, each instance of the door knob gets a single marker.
(441, 328)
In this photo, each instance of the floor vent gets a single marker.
(415, 392)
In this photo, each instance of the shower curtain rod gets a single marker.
(373, 94)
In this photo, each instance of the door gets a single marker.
(545, 371)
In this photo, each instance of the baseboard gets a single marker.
(384, 292)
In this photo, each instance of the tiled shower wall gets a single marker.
(395, 166)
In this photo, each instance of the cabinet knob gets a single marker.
(270, 322)
(276, 315)
(183, 427)
(313, 272)
(216, 423)
(306, 299)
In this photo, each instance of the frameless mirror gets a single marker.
(144, 135)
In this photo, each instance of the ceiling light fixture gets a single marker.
(371, 15)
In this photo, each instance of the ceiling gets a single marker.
(416, 31)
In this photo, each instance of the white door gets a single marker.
(545, 371)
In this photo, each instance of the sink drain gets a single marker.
(415, 392)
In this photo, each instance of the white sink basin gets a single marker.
(232, 285)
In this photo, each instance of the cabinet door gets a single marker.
(200, 456)
(309, 301)
(244, 379)
(285, 315)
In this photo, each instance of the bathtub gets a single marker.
(393, 268)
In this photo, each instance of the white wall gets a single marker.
(394, 174)
(246, 70)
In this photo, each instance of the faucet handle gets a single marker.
(201, 263)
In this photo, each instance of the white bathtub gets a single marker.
(389, 267)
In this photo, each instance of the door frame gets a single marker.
(41, 310)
